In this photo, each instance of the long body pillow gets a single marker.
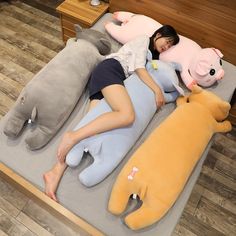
(108, 148)
(160, 167)
(52, 94)
(201, 66)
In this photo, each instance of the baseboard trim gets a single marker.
(43, 7)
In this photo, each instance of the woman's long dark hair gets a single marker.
(166, 31)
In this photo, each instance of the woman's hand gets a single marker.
(65, 145)
(148, 80)
(160, 100)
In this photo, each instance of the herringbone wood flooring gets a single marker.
(29, 38)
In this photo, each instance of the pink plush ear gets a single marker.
(202, 68)
(218, 52)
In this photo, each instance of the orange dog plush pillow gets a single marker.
(159, 169)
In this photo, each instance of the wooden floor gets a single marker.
(29, 38)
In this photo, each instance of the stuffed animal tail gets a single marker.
(177, 67)
(33, 115)
(179, 89)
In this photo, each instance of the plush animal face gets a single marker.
(218, 108)
(206, 68)
(95, 37)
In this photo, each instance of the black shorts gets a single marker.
(106, 73)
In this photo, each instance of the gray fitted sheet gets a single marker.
(91, 203)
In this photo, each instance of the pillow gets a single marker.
(52, 94)
(199, 66)
(132, 26)
(159, 169)
(202, 66)
(108, 148)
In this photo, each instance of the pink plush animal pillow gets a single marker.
(199, 66)
(132, 25)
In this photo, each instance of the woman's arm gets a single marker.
(135, 52)
(147, 79)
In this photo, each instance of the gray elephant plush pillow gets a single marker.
(49, 98)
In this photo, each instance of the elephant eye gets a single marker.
(221, 62)
(212, 72)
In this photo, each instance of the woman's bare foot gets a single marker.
(65, 145)
(52, 179)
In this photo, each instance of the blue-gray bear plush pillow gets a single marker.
(110, 147)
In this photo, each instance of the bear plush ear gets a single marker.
(196, 89)
(95, 37)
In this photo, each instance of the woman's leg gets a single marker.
(53, 176)
(122, 115)
(52, 179)
(93, 103)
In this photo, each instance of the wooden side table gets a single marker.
(79, 12)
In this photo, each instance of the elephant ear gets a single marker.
(104, 46)
(98, 39)
(78, 28)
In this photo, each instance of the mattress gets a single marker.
(90, 204)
